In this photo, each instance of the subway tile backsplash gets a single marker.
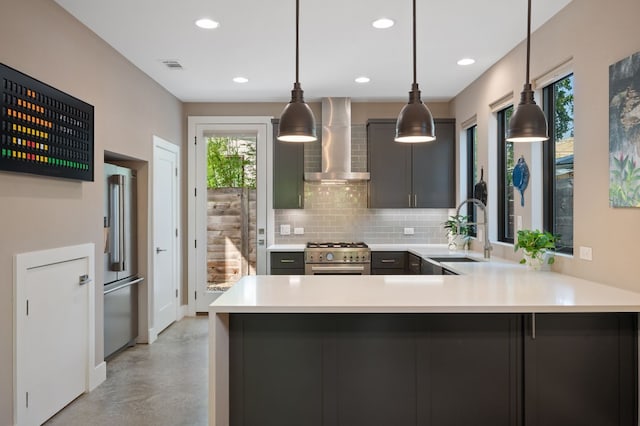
(340, 213)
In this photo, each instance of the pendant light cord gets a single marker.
(528, 38)
(297, 49)
(415, 79)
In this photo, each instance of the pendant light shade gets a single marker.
(297, 123)
(528, 123)
(415, 122)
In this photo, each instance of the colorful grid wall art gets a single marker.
(44, 131)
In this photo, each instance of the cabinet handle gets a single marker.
(533, 326)
(287, 260)
(415, 200)
(388, 261)
(409, 200)
(299, 200)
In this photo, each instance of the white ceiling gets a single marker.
(256, 39)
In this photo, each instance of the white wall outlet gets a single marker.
(586, 253)
(518, 223)
(408, 231)
(298, 231)
(285, 229)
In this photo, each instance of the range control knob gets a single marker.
(329, 256)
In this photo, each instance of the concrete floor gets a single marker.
(160, 384)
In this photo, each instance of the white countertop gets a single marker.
(496, 285)
(286, 247)
(502, 287)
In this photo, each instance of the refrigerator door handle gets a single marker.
(117, 215)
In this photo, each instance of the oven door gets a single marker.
(341, 269)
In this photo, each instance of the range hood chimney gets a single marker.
(336, 144)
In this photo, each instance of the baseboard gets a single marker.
(153, 336)
(97, 375)
(183, 312)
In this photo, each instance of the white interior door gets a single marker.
(199, 127)
(166, 293)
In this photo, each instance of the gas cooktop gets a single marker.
(337, 245)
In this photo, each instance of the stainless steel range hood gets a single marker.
(336, 144)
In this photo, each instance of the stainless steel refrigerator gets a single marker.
(120, 259)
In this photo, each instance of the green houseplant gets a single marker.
(535, 245)
(458, 229)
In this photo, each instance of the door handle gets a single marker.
(117, 214)
(158, 250)
(84, 279)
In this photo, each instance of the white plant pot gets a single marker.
(540, 262)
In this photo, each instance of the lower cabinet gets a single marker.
(433, 369)
(388, 262)
(287, 263)
(414, 264)
(581, 369)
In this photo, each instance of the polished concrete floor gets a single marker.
(161, 384)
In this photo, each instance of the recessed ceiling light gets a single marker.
(363, 79)
(240, 79)
(382, 23)
(207, 23)
(466, 61)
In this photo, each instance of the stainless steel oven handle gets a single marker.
(350, 268)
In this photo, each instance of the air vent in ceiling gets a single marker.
(172, 64)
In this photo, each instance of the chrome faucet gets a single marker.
(487, 245)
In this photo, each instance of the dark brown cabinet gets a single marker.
(287, 263)
(433, 369)
(288, 173)
(411, 175)
(388, 262)
(580, 369)
(414, 266)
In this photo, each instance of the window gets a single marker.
(505, 182)
(472, 172)
(557, 99)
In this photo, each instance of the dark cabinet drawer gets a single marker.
(389, 260)
(414, 264)
(287, 260)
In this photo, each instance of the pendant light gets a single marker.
(415, 122)
(528, 123)
(297, 123)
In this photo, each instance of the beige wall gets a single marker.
(42, 40)
(360, 111)
(595, 34)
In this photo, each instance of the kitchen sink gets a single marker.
(453, 259)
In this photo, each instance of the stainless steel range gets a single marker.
(337, 259)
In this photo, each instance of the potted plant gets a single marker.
(537, 247)
(458, 231)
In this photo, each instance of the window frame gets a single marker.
(472, 145)
(503, 219)
(549, 164)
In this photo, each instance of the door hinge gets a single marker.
(195, 295)
(27, 399)
(176, 232)
(27, 307)
(176, 171)
(195, 140)
(195, 192)
(195, 243)
(176, 292)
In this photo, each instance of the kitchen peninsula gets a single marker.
(496, 345)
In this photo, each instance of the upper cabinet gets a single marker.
(288, 173)
(411, 175)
